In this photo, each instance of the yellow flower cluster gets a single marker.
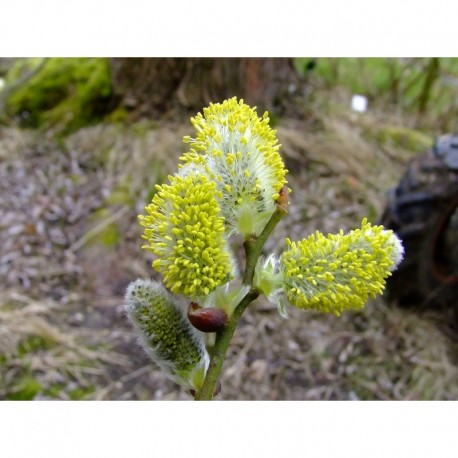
(166, 334)
(339, 272)
(239, 151)
(185, 229)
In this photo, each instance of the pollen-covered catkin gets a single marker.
(240, 152)
(340, 271)
(185, 229)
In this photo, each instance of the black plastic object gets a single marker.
(423, 211)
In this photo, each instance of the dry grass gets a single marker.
(134, 158)
(36, 346)
(377, 354)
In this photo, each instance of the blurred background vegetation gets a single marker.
(83, 141)
(70, 93)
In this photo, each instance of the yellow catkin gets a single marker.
(185, 229)
(339, 272)
(240, 151)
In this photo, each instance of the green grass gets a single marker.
(394, 84)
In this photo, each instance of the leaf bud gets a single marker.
(206, 319)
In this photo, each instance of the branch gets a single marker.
(223, 339)
(253, 248)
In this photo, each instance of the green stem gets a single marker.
(253, 248)
(223, 339)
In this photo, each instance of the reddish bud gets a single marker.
(215, 393)
(217, 388)
(206, 319)
(283, 198)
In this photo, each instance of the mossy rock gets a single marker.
(66, 93)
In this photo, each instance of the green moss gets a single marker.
(28, 387)
(120, 196)
(402, 137)
(141, 128)
(109, 235)
(119, 115)
(66, 93)
(54, 390)
(19, 67)
(372, 212)
(368, 76)
(26, 390)
(363, 393)
(33, 344)
(81, 392)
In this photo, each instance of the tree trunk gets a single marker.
(154, 86)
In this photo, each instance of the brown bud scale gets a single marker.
(283, 198)
(206, 319)
(215, 393)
